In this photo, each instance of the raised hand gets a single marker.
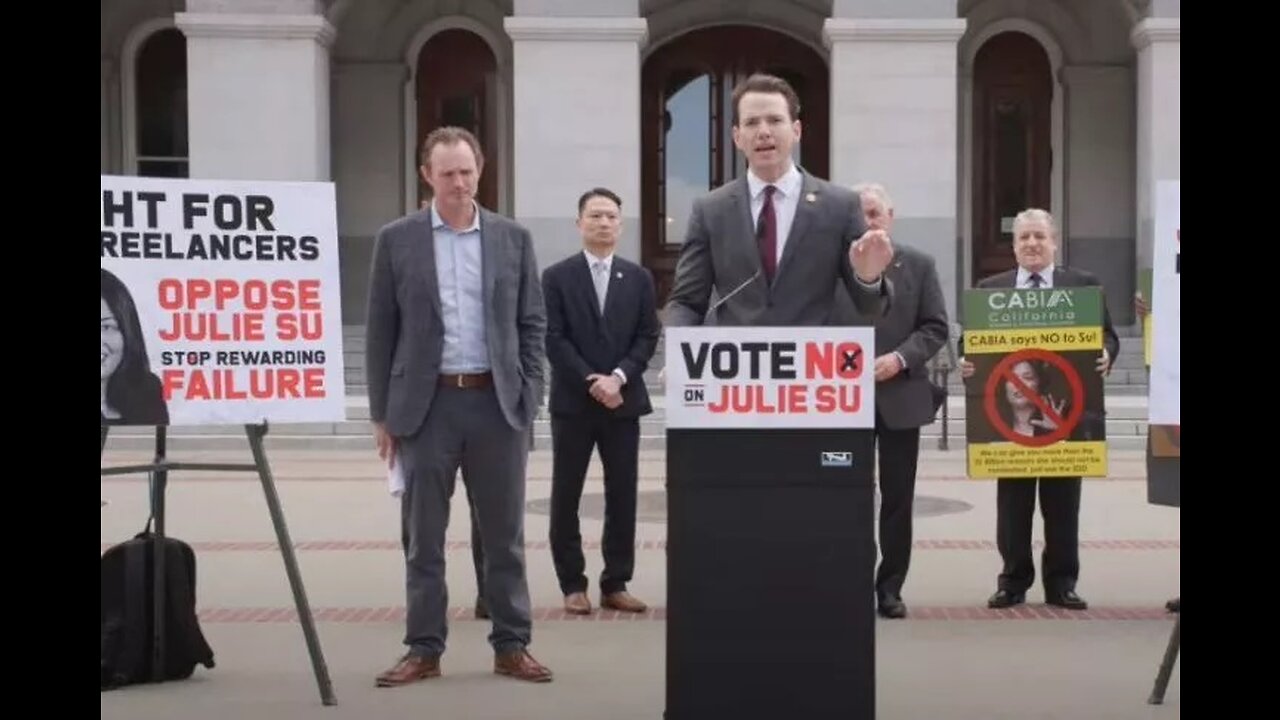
(870, 255)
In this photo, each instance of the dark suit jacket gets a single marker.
(582, 341)
(1062, 277)
(720, 251)
(915, 326)
(404, 339)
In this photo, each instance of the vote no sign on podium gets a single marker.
(770, 541)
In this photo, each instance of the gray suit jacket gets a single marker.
(405, 331)
(720, 251)
(916, 326)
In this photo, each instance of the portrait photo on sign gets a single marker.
(1035, 400)
(131, 393)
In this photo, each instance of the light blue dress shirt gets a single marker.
(458, 272)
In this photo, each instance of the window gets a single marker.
(161, 71)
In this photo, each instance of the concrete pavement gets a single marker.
(952, 658)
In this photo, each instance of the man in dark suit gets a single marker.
(454, 359)
(913, 331)
(1035, 241)
(602, 330)
(776, 243)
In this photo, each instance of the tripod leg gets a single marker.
(1166, 666)
(256, 433)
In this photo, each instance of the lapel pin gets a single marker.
(811, 197)
(618, 275)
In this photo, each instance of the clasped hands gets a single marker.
(606, 389)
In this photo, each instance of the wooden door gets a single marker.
(1012, 144)
(456, 72)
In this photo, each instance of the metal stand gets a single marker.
(940, 366)
(159, 469)
(1166, 666)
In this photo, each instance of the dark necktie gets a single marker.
(1035, 280)
(767, 234)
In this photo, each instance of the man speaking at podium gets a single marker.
(776, 243)
(771, 521)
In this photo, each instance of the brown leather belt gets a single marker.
(467, 381)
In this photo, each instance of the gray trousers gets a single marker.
(465, 429)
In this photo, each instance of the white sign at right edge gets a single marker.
(1166, 307)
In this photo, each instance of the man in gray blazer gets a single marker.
(776, 243)
(454, 358)
(913, 331)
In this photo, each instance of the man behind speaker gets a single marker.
(913, 330)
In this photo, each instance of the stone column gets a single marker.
(368, 167)
(257, 88)
(894, 95)
(576, 83)
(1159, 156)
(1099, 174)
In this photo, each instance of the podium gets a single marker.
(770, 506)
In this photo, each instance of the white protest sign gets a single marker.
(220, 302)
(1166, 307)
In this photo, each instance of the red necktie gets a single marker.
(767, 234)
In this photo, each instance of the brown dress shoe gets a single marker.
(410, 669)
(521, 666)
(623, 601)
(577, 604)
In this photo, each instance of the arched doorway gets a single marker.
(687, 119)
(456, 85)
(160, 113)
(1012, 143)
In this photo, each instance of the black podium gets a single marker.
(770, 546)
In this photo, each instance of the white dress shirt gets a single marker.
(591, 259)
(785, 201)
(786, 198)
(1023, 281)
(608, 269)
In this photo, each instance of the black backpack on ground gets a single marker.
(128, 589)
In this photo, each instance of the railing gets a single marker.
(940, 367)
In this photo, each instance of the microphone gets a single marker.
(715, 306)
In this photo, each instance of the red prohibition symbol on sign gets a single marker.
(1004, 371)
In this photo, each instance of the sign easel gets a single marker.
(1166, 665)
(159, 469)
